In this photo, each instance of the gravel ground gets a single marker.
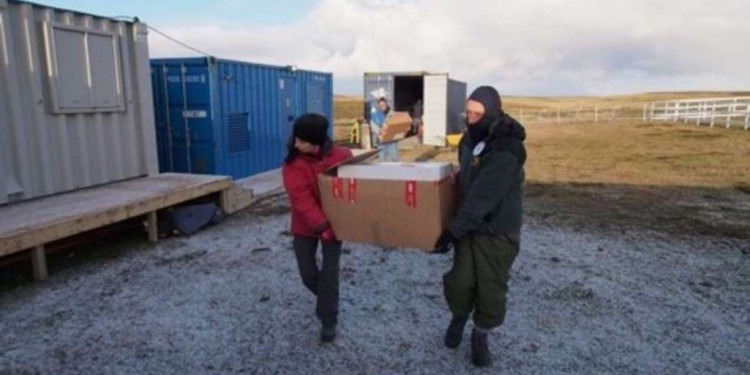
(229, 300)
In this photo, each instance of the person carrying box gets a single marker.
(311, 151)
(487, 227)
(387, 151)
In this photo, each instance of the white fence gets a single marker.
(726, 112)
(578, 113)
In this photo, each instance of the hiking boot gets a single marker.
(328, 333)
(480, 352)
(455, 332)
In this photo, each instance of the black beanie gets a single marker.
(312, 128)
(490, 99)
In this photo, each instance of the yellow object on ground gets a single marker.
(453, 139)
(354, 135)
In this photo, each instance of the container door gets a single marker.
(188, 126)
(456, 107)
(435, 109)
(287, 107)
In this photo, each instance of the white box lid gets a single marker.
(397, 171)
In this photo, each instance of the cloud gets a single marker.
(539, 47)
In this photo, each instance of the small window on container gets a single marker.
(84, 71)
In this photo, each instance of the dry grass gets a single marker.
(633, 153)
(633, 101)
(638, 153)
(346, 109)
(674, 178)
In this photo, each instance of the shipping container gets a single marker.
(443, 100)
(227, 117)
(75, 101)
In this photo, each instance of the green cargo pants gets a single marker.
(478, 281)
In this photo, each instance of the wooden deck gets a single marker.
(32, 224)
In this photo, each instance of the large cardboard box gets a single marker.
(397, 127)
(389, 204)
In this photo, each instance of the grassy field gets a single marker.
(653, 154)
(633, 101)
(347, 108)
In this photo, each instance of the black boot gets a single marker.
(328, 333)
(455, 332)
(480, 351)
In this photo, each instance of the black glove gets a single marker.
(444, 243)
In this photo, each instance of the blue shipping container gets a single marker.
(233, 118)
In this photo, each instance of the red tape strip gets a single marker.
(411, 194)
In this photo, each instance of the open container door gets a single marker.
(435, 114)
(456, 123)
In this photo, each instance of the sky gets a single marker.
(529, 47)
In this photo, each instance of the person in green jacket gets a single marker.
(487, 228)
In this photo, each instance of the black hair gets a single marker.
(291, 151)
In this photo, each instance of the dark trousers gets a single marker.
(478, 281)
(323, 282)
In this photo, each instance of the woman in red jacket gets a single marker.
(311, 152)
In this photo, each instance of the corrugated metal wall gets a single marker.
(51, 142)
(242, 127)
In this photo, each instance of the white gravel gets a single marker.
(580, 303)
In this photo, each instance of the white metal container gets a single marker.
(75, 101)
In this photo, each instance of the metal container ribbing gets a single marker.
(230, 117)
(50, 140)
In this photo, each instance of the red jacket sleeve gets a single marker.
(342, 154)
(303, 196)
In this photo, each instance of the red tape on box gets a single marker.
(352, 190)
(338, 191)
(411, 194)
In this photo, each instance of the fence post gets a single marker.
(713, 114)
(747, 116)
(645, 106)
(687, 113)
(699, 114)
(730, 112)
